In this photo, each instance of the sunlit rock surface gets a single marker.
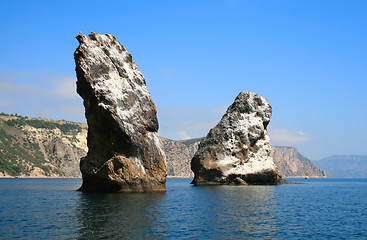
(125, 153)
(237, 149)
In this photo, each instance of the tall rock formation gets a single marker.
(125, 153)
(236, 150)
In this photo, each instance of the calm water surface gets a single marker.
(51, 209)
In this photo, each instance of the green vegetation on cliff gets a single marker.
(14, 151)
(31, 147)
(36, 123)
(7, 154)
(191, 141)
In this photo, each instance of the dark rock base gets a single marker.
(95, 186)
(261, 178)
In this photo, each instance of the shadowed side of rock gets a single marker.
(125, 153)
(237, 149)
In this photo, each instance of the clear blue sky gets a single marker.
(308, 58)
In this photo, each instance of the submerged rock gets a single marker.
(125, 152)
(236, 150)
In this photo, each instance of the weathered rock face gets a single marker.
(293, 164)
(179, 155)
(236, 151)
(125, 153)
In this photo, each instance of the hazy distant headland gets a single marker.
(344, 166)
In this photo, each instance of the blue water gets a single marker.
(51, 209)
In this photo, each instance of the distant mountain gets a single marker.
(344, 166)
(42, 147)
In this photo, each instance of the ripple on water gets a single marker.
(50, 208)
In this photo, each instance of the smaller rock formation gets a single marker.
(236, 151)
(125, 153)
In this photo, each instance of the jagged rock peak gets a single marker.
(125, 152)
(236, 150)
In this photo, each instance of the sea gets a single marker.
(316, 209)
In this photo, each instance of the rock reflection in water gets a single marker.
(127, 216)
(184, 211)
(247, 211)
(220, 212)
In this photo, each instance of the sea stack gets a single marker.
(125, 153)
(237, 149)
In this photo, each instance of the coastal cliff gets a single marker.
(293, 164)
(179, 155)
(39, 147)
